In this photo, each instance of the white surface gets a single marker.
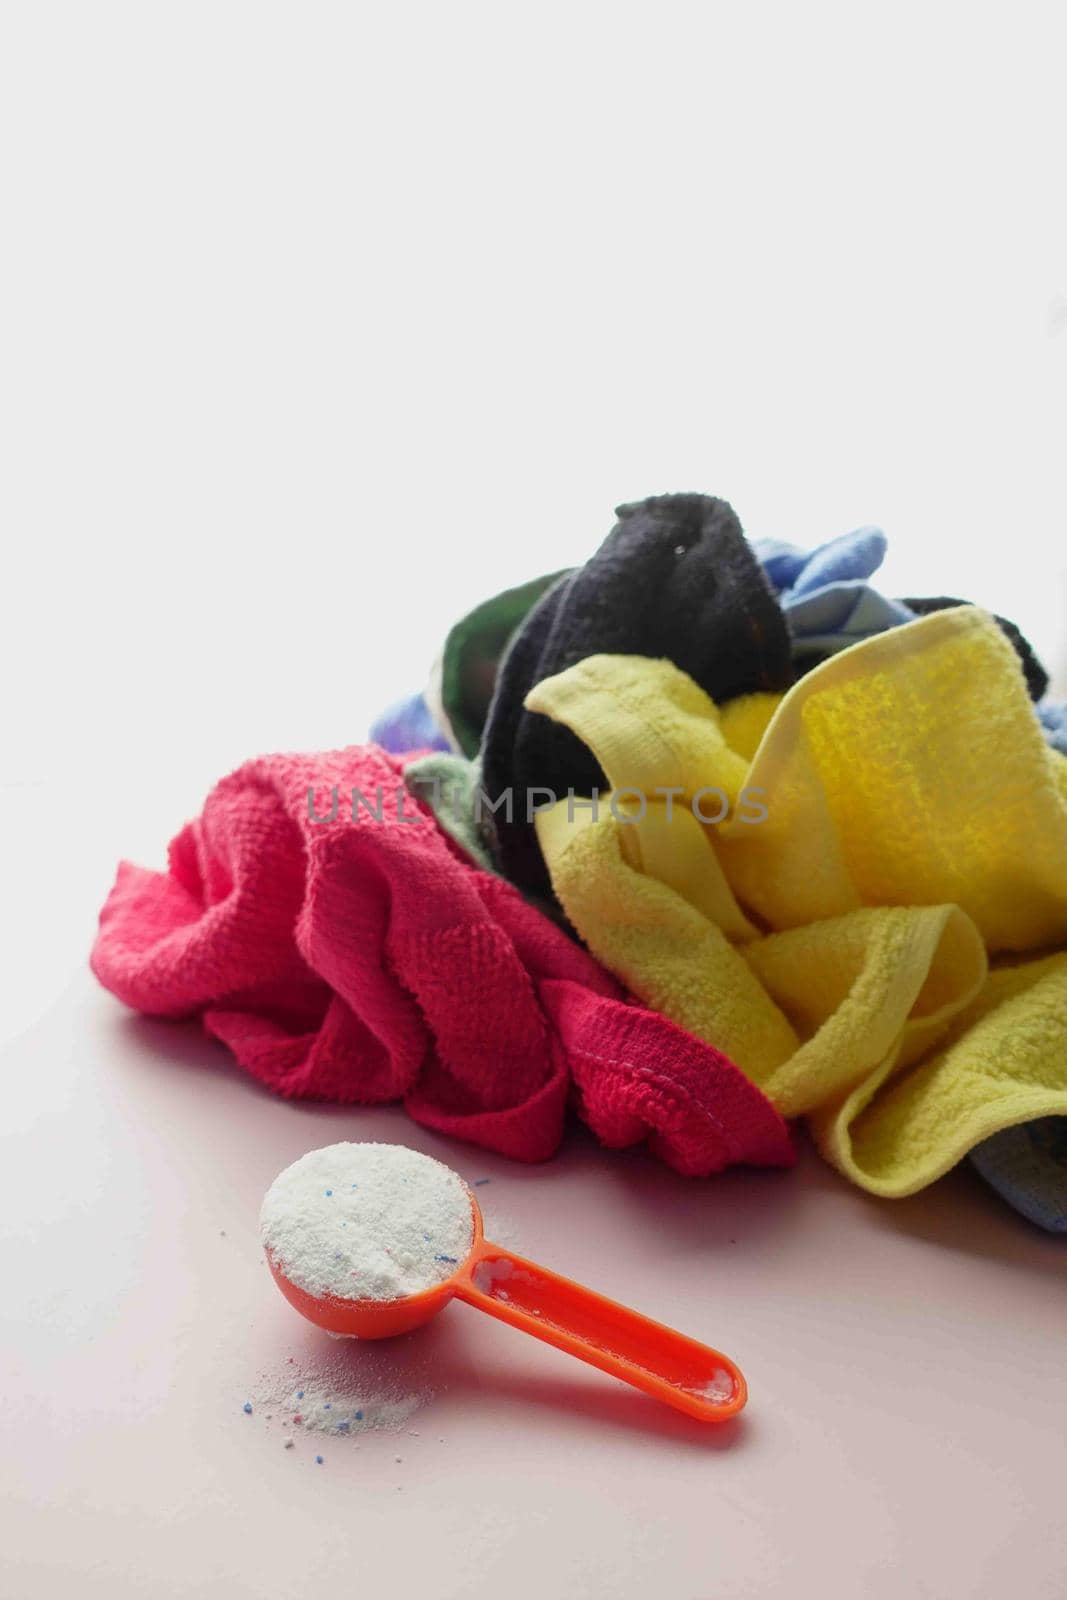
(317, 324)
(903, 1435)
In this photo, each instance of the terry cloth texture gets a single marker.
(1027, 1165)
(407, 725)
(825, 595)
(1034, 673)
(838, 950)
(365, 961)
(676, 579)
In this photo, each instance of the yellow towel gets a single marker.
(837, 951)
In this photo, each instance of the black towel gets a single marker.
(674, 578)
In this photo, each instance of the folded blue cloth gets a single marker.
(824, 593)
(841, 614)
(782, 563)
(850, 556)
(407, 725)
(1027, 1165)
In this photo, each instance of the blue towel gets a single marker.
(407, 725)
(1027, 1166)
(824, 593)
(842, 560)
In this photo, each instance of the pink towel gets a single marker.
(366, 960)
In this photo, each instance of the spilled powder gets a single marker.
(352, 1391)
(325, 1408)
(367, 1221)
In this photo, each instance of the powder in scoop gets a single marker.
(367, 1221)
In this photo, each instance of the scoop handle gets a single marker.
(664, 1363)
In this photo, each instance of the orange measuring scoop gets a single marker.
(664, 1363)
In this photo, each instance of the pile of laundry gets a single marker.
(697, 838)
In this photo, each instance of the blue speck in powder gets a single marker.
(342, 1427)
(300, 1394)
(452, 1259)
(359, 1416)
(327, 1406)
(328, 1193)
(247, 1408)
(319, 1460)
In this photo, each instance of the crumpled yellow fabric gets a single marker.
(839, 950)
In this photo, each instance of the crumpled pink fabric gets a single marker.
(367, 960)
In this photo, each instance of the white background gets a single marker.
(320, 323)
(317, 324)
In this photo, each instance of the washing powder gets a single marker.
(367, 1222)
(349, 1391)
